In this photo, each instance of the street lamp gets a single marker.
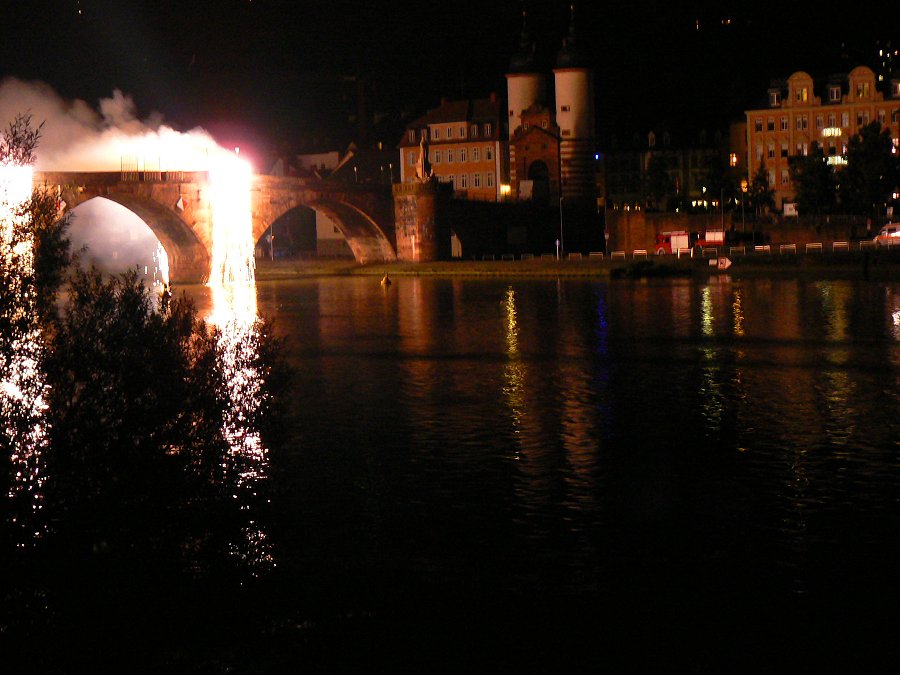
(561, 240)
(743, 192)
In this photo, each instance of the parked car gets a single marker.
(889, 235)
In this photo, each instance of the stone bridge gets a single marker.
(176, 207)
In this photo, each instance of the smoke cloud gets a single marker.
(77, 137)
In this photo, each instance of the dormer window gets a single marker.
(651, 140)
(862, 90)
(834, 94)
(774, 98)
(474, 131)
(895, 88)
(801, 95)
(412, 135)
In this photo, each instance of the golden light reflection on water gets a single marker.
(22, 385)
(514, 370)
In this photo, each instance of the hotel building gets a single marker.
(830, 111)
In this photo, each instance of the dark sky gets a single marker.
(270, 71)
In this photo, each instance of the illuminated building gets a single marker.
(551, 151)
(463, 139)
(830, 111)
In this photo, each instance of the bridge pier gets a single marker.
(416, 222)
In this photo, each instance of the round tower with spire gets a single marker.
(574, 81)
(525, 85)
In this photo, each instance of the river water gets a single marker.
(673, 474)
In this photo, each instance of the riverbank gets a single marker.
(874, 265)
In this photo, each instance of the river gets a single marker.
(665, 473)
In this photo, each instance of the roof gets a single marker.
(466, 110)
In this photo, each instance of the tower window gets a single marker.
(565, 108)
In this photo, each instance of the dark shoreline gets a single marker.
(870, 265)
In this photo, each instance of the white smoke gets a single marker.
(78, 137)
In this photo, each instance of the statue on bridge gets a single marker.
(424, 171)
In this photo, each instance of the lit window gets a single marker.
(862, 90)
(802, 94)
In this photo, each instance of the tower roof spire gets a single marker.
(568, 56)
(523, 61)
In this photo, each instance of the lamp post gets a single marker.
(743, 192)
(562, 245)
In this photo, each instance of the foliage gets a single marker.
(658, 184)
(19, 141)
(720, 180)
(760, 194)
(872, 172)
(814, 181)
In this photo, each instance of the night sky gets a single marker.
(272, 72)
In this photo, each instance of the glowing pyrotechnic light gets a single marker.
(232, 282)
(22, 386)
(232, 275)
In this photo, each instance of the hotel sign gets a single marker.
(831, 132)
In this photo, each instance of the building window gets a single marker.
(489, 153)
(881, 116)
(487, 129)
(802, 122)
(802, 94)
(476, 180)
(757, 125)
(770, 124)
(411, 158)
(462, 154)
(543, 124)
(895, 88)
(845, 119)
(489, 179)
(784, 150)
(463, 181)
(862, 90)
(451, 179)
(473, 131)
(450, 156)
(834, 94)
(759, 153)
(831, 119)
(784, 177)
(771, 178)
(771, 151)
(476, 155)
(565, 108)
(437, 157)
(462, 131)
(774, 98)
(820, 122)
(784, 123)
(511, 113)
(895, 115)
(435, 133)
(412, 135)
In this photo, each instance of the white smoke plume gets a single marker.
(77, 137)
